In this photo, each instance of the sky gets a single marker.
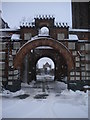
(43, 60)
(13, 12)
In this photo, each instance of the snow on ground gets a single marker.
(45, 77)
(60, 103)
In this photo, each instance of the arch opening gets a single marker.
(30, 65)
(45, 69)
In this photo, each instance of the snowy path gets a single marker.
(67, 104)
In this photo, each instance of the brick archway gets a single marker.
(32, 44)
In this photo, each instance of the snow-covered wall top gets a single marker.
(79, 30)
(73, 37)
(15, 37)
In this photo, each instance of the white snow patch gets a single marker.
(60, 86)
(45, 77)
(8, 29)
(35, 37)
(15, 37)
(73, 37)
(80, 30)
(44, 47)
(82, 40)
(86, 86)
(7, 93)
(68, 104)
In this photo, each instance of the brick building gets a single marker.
(68, 48)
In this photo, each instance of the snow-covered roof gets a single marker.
(83, 41)
(35, 37)
(61, 25)
(1, 52)
(44, 17)
(73, 37)
(15, 37)
(44, 47)
(43, 35)
(2, 36)
(86, 86)
(7, 30)
(2, 62)
(80, 30)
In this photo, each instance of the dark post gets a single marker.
(68, 80)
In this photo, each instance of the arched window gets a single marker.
(44, 31)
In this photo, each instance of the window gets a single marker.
(83, 57)
(74, 52)
(10, 57)
(10, 83)
(2, 65)
(2, 46)
(72, 73)
(83, 73)
(10, 72)
(77, 73)
(3, 79)
(10, 77)
(13, 52)
(83, 65)
(88, 57)
(16, 45)
(10, 63)
(83, 78)
(82, 47)
(87, 78)
(77, 64)
(71, 45)
(44, 31)
(2, 55)
(72, 78)
(60, 36)
(77, 78)
(87, 73)
(87, 46)
(27, 36)
(16, 71)
(82, 68)
(2, 73)
(16, 77)
(77, 59)
(87, 66)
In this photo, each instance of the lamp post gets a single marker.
(43, 85)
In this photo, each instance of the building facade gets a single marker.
(22, 48)
(69, 49)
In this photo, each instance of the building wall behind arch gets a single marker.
(78, 48)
